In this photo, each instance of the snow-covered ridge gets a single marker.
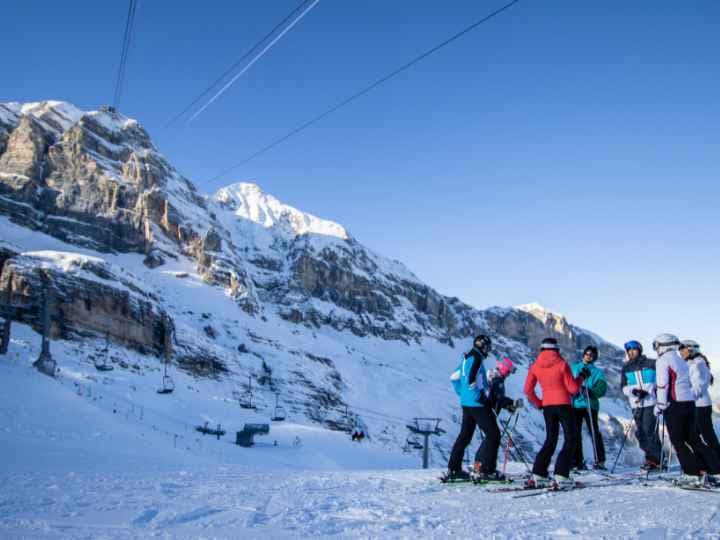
(248, 201)
(60, 116)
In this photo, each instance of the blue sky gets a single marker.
(565, 152)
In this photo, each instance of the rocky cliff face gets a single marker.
(95, 182)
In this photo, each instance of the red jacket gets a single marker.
(555, 378)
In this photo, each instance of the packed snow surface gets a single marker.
(90, 455)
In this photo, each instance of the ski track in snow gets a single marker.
(387, 504)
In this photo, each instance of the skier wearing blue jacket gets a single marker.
(594, 387)
(470, 383)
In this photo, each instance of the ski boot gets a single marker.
(455, 476)
(581, 467)
(562, 483)
(709, 480)
(688, 480)
(600, 466)
(485, 477)
(537, 482)
(650, 466)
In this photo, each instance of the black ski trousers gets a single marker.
(704, 426)
(691, 451)
(483, 418)
(647, 433)
(555, 416)
(580, 416)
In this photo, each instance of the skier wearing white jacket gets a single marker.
(701, 379)
(676, 401)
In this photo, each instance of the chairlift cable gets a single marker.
(362, 92)
(233, 67)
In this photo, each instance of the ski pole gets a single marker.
(662, 441)
(622, 445)
(510, 439)
(592, 425)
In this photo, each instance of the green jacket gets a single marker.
(596, 383)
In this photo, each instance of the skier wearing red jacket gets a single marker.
(558, 386)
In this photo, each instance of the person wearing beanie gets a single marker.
(496, 381)
(470, 383)
(593, 388)
(637, 380)
(676, 403)
(701, 379)
(558, 386)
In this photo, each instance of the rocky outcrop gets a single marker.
(95, 179)
(87, 298)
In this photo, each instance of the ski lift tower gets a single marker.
(46, 363)
(426, 427)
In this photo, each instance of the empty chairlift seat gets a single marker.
(245, 437)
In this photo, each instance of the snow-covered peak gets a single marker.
(538, 310)
(248, 201)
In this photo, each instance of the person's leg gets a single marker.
(676, 420)
(706, 459)
(487, 453)
(652, 437)
(599, 445)
(703, 418)
(552, 430)
(467, 428)
(562, 463)
(578, 416)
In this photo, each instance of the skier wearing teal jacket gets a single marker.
(594, 387)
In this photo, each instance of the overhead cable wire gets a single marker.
(127, 38)
(362, 92)
(238, 63)
(255, 59)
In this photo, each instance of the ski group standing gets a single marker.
(668, 394)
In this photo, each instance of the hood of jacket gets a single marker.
(547, 359)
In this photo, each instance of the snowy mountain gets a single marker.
(252, 303)
(242, 293)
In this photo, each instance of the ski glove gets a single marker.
(584, 373)
(640, 394)
(658, 410)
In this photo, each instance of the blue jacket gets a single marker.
(596, 383)
(470, 382)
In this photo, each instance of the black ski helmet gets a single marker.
(483, 344)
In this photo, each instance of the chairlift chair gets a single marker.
(246, 401)
(101, 363)
(279, 413)
(168, 386)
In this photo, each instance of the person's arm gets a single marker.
(572, 384)
(599, 387)
(529, 389)
(624, 383)
(662, 384)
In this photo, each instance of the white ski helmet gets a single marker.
(665, 342)
(692, 345)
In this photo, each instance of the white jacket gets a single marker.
(700, 378)
(673, 380)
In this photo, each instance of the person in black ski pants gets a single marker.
(470, 383)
